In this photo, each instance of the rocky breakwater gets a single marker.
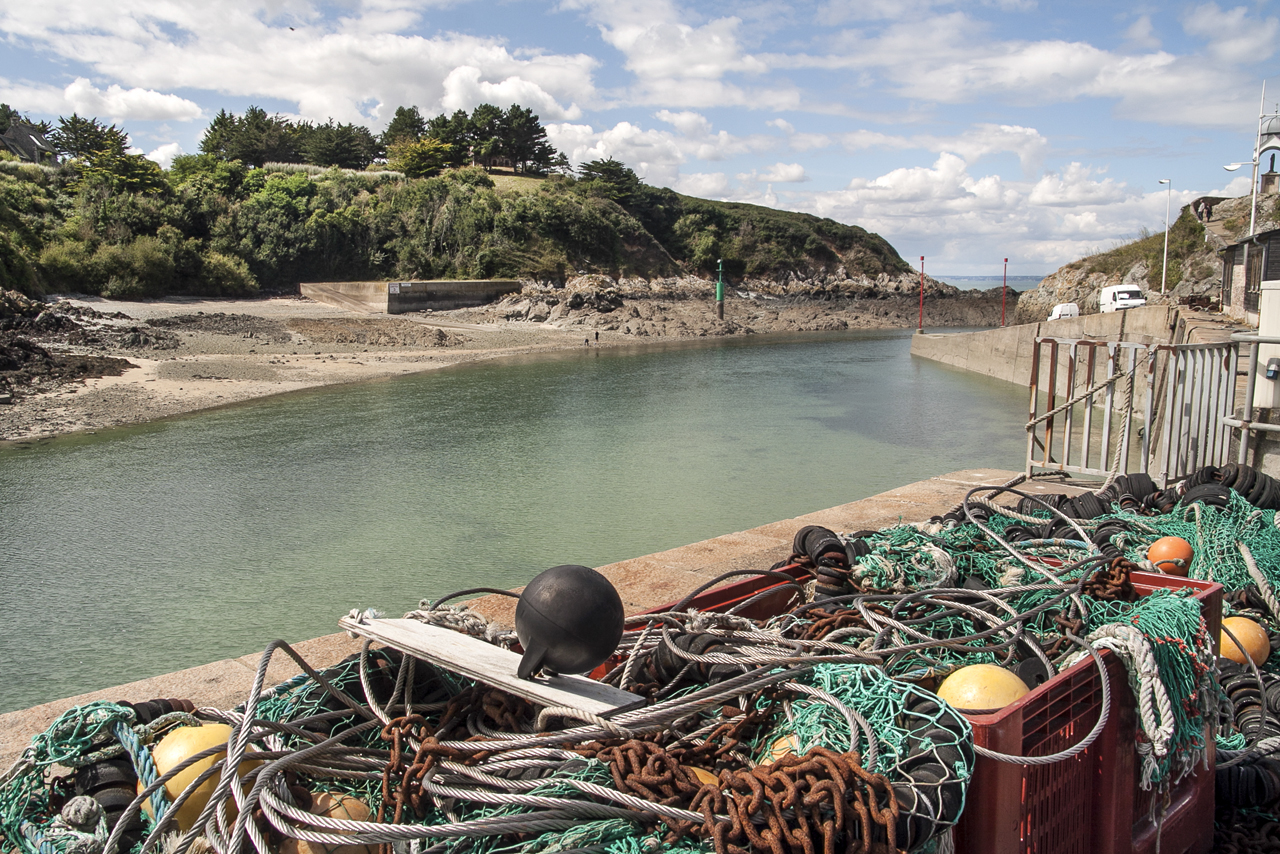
(685, 306)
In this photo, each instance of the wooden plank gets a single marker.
(493, 665)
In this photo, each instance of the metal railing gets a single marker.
(1067, 436)
(1199, 397)
(1247, 424)
(1132, 407)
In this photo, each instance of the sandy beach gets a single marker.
(221, 352)
(91, 363)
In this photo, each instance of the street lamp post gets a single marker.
(1004, 290)
(1164, 267)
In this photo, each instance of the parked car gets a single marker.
(1064, 309)
(1118, 297)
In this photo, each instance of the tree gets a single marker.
(485, 134)
(406, 125)
(81, 137)
(420, 158)
(612, 178)
(347, 146)
(455, 132)
(525, 141)
(8, 115)
(254, 138)
(124, 173)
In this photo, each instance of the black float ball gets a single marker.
(569, 620)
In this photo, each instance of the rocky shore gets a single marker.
(71, 364)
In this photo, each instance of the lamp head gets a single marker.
(1231, 167)
(1164, 180)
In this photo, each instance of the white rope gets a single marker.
(1264, 587)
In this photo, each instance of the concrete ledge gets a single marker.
(1006, 353)
(400, 297)
(644, 583)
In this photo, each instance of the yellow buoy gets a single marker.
(178, 746)
(785, 746)
(332, 805)
(1251, 635)
(982, 687)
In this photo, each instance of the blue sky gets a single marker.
(964, 132)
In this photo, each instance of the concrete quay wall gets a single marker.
(643, 582)
(400, 297)
(1006, 353)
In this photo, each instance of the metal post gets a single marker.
(1257, 141)
(1164, 267)
(920, 328)
(720, 289)
(1004, 290)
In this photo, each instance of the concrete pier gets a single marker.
(1006, 353)
(643, 582)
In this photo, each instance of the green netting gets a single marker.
(27, 819)
(1171, 622)
(890, 707)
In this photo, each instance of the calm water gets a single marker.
(143, 550)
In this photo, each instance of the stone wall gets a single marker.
(401, 297)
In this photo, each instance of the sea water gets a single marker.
(142, 550)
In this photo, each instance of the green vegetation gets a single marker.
(112, 223)
(1186, 239)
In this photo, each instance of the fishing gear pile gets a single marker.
(814, 725)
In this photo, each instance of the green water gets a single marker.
(143, 550)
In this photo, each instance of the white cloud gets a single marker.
(115, 103)
(706, 185)
(682, 64)
(1074, 187)
(687, 122)
(164, 154)
(1231, 35)
(1141, 34)
(779, 173)
(655, 155)
(350, 69)
(465, 90)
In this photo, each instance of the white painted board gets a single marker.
(493, 665)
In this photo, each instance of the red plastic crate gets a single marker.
(1089, 804)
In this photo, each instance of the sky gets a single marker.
(964, 132)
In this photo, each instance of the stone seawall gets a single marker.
(401, 297)
(1006, 353)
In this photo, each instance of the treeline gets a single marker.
(488, 137)
(106, 222)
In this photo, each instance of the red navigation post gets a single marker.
(1004, 290)
(921, 327)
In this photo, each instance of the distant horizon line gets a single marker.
(996, 276)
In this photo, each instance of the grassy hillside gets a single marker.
(1186, 243)
(213, 227)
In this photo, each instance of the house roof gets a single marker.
(27, 142)
(1255, 238)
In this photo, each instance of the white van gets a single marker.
(1118, 297)
(1064, 309)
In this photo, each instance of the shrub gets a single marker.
(137, 270)
(224, 275)
(67, 266)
